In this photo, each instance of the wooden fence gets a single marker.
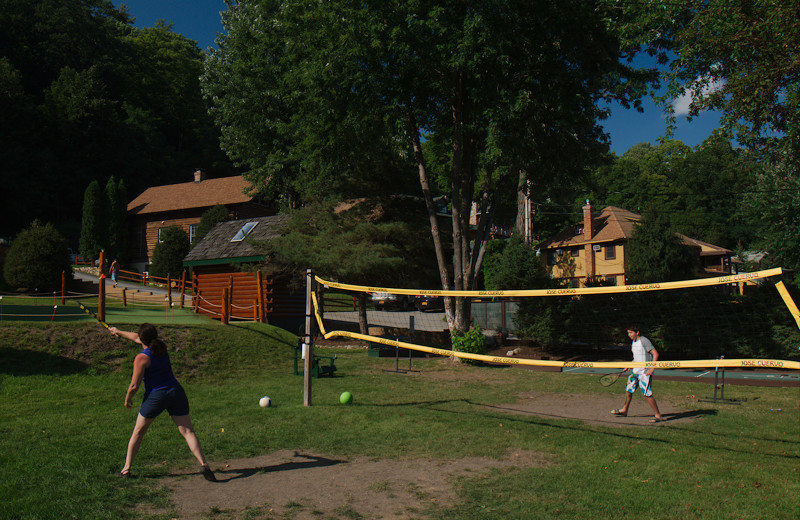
(231, 296)
(245, 297)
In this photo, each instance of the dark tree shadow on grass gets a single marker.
(21, 362)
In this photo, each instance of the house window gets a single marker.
(578, 230)
(611, 252)
(611, 279)
(575, 283)
(192, 232)
(574, 251)
(247, 228)
(161, 234)
(551, 257)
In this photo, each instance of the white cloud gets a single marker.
(682, 103)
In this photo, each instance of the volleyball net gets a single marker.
(745, 320)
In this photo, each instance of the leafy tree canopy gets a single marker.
(340, 96)
(83, 93)
(741, 57)
(363, 241)
(655, 252)
(698, 189)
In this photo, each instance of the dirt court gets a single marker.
(303, 485)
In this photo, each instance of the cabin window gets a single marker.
(611, 252)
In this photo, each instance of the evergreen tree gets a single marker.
(655, 252)
(93, 223)
(113, 223)
(515, 268)
(37, 258)
(169, 253)
(208, 220)
(122, 219)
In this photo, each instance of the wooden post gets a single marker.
(224, 306)
(101, 293)
(124, 296)
(255, 310)
(63, 286)
(169, 290)
(230, 296)
(260, 301)
(195, 293)
(183, 286)
(307, 346)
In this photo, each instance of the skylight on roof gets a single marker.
(246, 229)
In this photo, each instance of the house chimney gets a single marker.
(199, 175)
(588, 232)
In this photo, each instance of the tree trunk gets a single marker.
(363, 326)
(523, 222)
(413, 132)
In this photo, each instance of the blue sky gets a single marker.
(200, 21)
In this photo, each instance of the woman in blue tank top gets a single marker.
(161, 392)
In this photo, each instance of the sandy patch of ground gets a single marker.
(597, 409)
(304, 485)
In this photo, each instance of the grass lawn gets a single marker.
(64, 430)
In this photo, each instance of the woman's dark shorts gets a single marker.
(172, 399)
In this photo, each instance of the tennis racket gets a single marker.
(610, 379)
(92, 314)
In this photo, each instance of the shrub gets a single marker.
(169, 253)
(37, 258)
(471, 342)
(208, 220)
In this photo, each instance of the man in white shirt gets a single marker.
(643, 350)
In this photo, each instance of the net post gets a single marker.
(308, 351)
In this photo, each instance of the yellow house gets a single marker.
(594, 249)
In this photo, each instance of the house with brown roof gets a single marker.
(183, 205)
(594, 249)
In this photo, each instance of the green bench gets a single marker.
(320, 365)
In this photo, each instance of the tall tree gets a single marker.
(93, 224)
(655, 252)
(697, 189)
(378, 240)
(330, 96)
(116, 227)
(82, 93)
(771, 208)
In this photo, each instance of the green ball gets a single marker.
(346, 398)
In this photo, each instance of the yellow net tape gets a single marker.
(700, 282)
(787, 299)
(698, 363)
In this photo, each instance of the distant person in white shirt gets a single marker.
(643, 350)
